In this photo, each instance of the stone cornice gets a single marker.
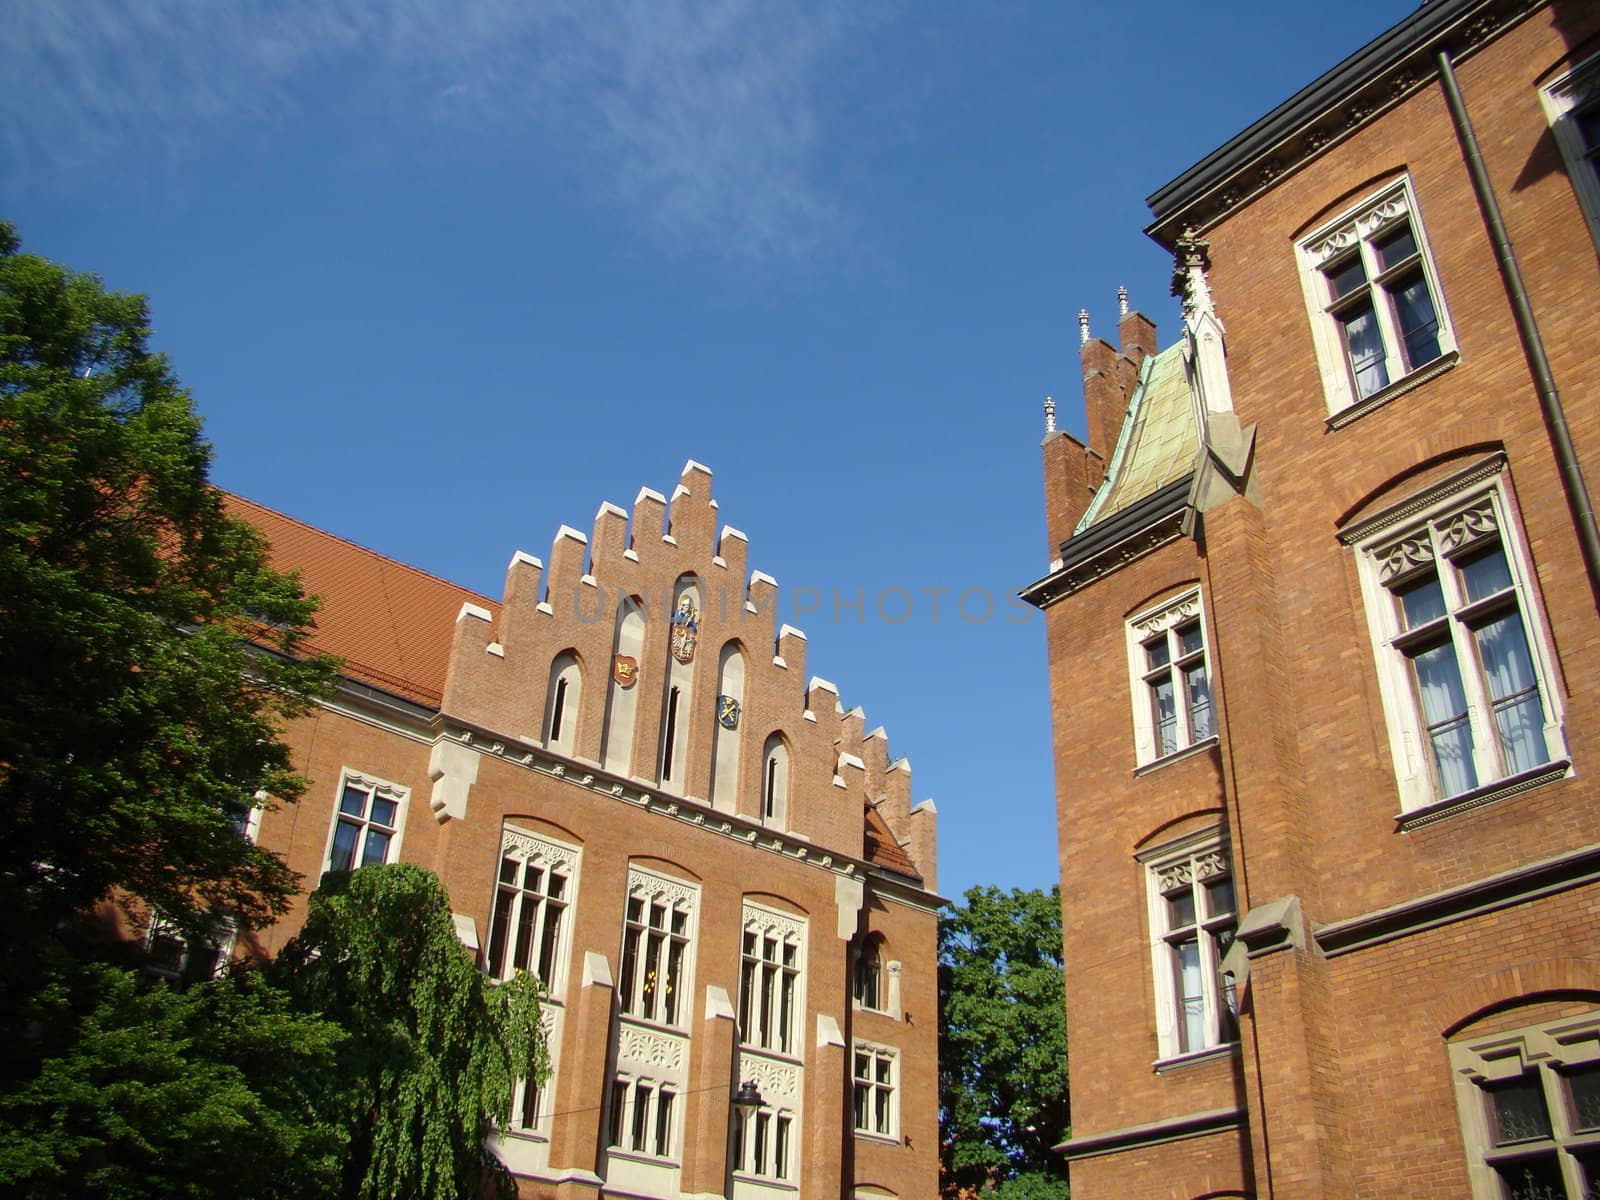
(1372, 81)
(1114, 543)
(1576, 868)
(1216, 1120)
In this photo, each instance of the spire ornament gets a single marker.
(1083, 327)
(1049, 414)
(1191, 261)
(1122, 301)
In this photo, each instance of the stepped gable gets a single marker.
(390, 622)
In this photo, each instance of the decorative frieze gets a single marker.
(639, 1046)
(779, 1082)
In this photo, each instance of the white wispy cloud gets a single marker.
(706, 120)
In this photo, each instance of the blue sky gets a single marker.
(444, 275)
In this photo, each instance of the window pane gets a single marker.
(674, 970)
(1158, 653)
(861, 1106)
(619, 1097)
(1520, 1114)
(1219, 896)
(343, 856)
(353, 802)
(1396, 248)
(1192, 1005)
(529, 1113)
(383, 811)
(1419, 324)
(1421, 600)
(663, 1146)
(1533, 1179)
(502, 929)
(376, 848)
(641, 1115)
(1199, 686)
(780, 1150)
(1444, 707)
(508, 870)
(1166, 716)
(1583, 1085)
(630, 968)
(1485, 574)
(558, 886)
(881, 1110)
(1347, 276)
(549, 942)
(1364, 343)
(1508, 672)
(1189, 640)
(1180, 909)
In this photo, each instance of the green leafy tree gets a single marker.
(435, 1047)
(149, 652)
(217, 1090)
(1002, 1045)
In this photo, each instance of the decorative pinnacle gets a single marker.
(1049, 414)
(1192, 261)
(1122, 301)
(1083, 327)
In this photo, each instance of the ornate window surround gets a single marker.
(1542, 1052)
(875, 1090)
(1480, 496)
(1354, 229)
(1577, 91)
(554, 856)
(377, 788)
(1140, 632)
(1196, 858)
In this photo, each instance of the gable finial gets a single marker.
(1083, 327)
(1049, 414)
(1122, 301)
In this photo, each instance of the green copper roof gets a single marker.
(1158, 444)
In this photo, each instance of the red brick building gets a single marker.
(1324, 650)
(627, 785)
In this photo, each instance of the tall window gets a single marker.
(1172, 707)
(874, 1087)
(770, 1000)
(561, 706)
(367, 825)
(643, 1117)
(655, 948)
(1464, 676)
(1573, 105)
(530, 909)
(1374, 297)
(764, 1143)
(775, 782)
(1529, 1103)
(869, 974)
(1193, 916)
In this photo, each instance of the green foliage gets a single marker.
(1002, 1044)
(139, 715)
(218, 1090)
(435, 1047)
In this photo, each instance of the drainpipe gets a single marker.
(1555, 418)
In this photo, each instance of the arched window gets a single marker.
(775, 782)
(622, 693)
(869, 974)
(683, 640)
(561, 706)
(727, 734)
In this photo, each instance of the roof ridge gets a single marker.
(388, 558)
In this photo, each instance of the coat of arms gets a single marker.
(728, 712)
(685, 630)
(625, 669)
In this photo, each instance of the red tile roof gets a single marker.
(391, 623)
(883, 850)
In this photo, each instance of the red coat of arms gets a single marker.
(625, 669)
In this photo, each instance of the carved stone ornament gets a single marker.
(1400, 557)
(1391, 208)
(522, 844)
(759, 920)
(778, 1082)
(1184, 610)
(647, 886)
(1468, 525)
(685, 630)
(728, 712)
(1207, 865)
(643, 1047)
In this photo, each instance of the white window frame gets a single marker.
(563, 708)
(766, 1144)
(376, 788)
(1166, 621)
(159, 928)
(1564, 98)
(1445, 524)
(1193, 862)
(775, 782)
(1536, 1053)
(661, 995)
(875, 1091)
(772, 991)
(1355, 231)
(635, 1115)
(554, 860)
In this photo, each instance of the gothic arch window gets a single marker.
(561, 704)
(868, 985)
(622, 690)
(683, 645)
(775, 782)
(727, 734)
